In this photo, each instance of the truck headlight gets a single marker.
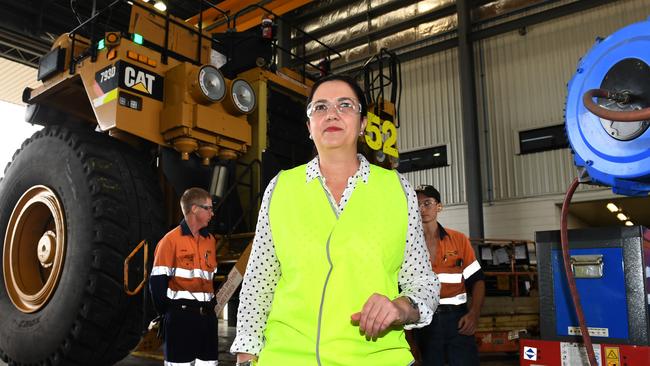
(241, 99)
(208, 84)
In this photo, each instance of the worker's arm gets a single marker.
(474, 284)
(469, 322)
(162, 271)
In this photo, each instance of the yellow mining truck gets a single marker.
(134, 111)
(138, 105)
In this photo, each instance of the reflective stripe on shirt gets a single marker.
(456, 300)
(161, 270)
(181, 294)
(196, 362)
(450, 277)
(471, 269)
(183, 273)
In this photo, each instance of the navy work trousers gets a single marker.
(190, 335)
(440, 340)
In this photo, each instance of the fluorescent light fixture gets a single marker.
(629, 223)
(621, 216)
(612, 207)
(436, 154)
(160, 5)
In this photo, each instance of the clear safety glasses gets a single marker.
(321, 108)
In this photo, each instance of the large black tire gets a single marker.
(111, 201)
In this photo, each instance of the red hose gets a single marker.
(564, 237)
(618, 116)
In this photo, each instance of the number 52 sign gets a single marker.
(381, 135)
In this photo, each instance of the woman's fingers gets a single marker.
(377, 315)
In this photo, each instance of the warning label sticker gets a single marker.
(574, 354)
(612, 356)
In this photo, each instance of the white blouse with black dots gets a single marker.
(416, 279)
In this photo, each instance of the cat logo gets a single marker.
(138, 80)
(141, 81)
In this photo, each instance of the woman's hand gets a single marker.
(379, 313)
(243, 357)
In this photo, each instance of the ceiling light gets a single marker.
(629, 223)
(612, 207)
(621, 216)
(160, 5)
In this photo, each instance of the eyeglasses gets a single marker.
(321, 108)
(427, 203)
(205, 207)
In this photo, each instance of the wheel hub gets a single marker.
(46, 248)
(34, 249)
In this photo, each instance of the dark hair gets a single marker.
(351, 83)
(428, 191)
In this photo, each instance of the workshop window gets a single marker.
(542, 139)
(430, 158)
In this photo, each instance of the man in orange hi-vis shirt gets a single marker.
(451, 332)
(181, 284)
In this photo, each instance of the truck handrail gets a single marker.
(164, 49)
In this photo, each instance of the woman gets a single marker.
(335, 241)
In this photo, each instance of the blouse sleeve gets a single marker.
(416, 278)
(260, 280)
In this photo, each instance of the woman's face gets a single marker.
(335, 119)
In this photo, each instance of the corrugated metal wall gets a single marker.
(521, 84)
(430, 115)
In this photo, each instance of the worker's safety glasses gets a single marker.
(343, 106)
(427, 203)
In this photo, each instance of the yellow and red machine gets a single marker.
(596, 281)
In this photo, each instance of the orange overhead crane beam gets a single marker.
(247, 20)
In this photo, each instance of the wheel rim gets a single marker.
(34, 249)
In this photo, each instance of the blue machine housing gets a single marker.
(607, 303)
(615, 306)
(623, 165)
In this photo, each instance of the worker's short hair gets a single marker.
(193, 196)
(429, 191)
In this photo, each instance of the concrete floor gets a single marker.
(226, 335)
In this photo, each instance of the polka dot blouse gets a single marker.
(416, 280)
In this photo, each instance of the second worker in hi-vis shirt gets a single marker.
(451, 332)
(184, 264)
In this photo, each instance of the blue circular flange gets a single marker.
(623, 165)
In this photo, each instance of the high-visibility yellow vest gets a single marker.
(330, 266)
